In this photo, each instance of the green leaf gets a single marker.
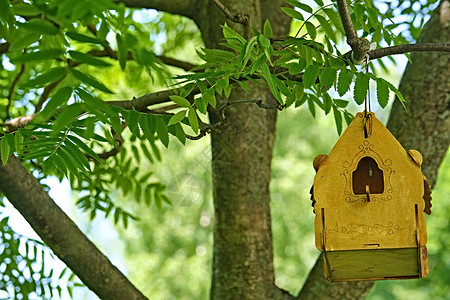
(396, 91)
(69, 114)
(272, 86)
(4, 148)
(268, 33)
(59, 98)
(48, 164)
(210, 95)
(88, 59)
(295, 68)
(5, 9)
(23, 9)
(85, 38)
(40, 26)
(311, 107)
(335, 19)
(76, 153)
(92, 102)
(230, 34)
(348, 117)
(382, 92)
(264, 43)
(337, 120)
(179, 133)
(201, 104)
(300, 5)
(69, 161)
(319, 2)
(183, 102)
(361, 87)
(37, 56)
(192, 116)
(11, 142)
(132, 119)
(344, 81)
(89, 80)
(18, 141)
(310, 75)
(156, 151)
(311, 29)
(215, 55)
(326, 27)
(83, 146)
(161, 130)
(60, 164)
(148, 126)
(292, 13)
(327, 78)
(53, 75)
(150, 158)
(23, 40)
(326, 103)
(177, 118)
(137, 157)
(122, 51)
(340, 103)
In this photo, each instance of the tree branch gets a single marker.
(236, 18)
(360, 46)
(62, 235)
(350, 31)
(406, 48)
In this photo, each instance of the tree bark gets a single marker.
(241, 165)
(423, 126)
(61, 234)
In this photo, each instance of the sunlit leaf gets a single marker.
(89, 80)
(4, 148)
(37, 56)
(53, 75)
(177, 117)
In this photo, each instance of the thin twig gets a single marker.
(350, 31)
(11, 89)
(236, 18)
(406, 48)
(359, 46)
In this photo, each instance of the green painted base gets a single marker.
(376, 264)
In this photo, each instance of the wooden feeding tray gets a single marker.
(369, 196)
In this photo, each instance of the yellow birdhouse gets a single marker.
(369, 196)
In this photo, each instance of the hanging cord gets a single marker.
(367, 106)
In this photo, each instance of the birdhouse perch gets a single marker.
(369, 196)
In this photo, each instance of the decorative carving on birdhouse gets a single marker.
(369, 197)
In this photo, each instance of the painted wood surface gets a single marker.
(369, 194)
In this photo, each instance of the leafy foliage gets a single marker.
(60, 59)
(23, 274)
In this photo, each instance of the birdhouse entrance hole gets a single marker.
(368, 178)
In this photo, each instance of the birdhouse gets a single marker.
(369, 196)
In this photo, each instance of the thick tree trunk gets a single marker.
(425, 123)
(424, 126)
(242, 153)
